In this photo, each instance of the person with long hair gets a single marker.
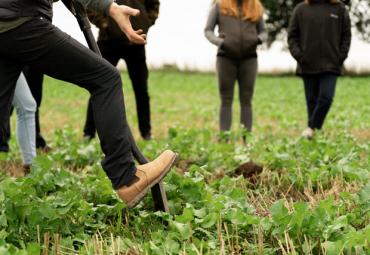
(241, 30)
(319, 38)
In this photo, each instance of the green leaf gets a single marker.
(186, 216)
(33, 249)
(300, 212)
(210, 220)
(3, 220)
(279, 211)
(333, 248)
(2, 197)
(184, 230)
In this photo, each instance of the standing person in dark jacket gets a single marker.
(319, 38)
(27, 37)
(241, 30)
(114, 45)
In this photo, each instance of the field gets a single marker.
(312, 197)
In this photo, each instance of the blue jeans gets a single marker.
(25, 107)
(319, 90)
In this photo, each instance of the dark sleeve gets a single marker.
(209, 30)
(99, 20)
(294, 37)
(261, 31)
(346, 36)
(152, 8)
(101, 6)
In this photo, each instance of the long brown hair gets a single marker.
(252, 9)
(330, 1)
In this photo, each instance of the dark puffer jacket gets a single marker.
(319, 37)
(108, 29)
(238, 38)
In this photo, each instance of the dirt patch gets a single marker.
(249, 170)
(12, 169)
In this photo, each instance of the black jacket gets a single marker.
(238, 38)
(109, 30)
(241, 37)
(319, 37)
(12, 9)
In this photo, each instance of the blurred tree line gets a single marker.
(279, 11)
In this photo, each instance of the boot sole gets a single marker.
(142, 194)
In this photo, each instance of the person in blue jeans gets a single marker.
(25, 107)
(319, 38)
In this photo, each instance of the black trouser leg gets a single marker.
(311, 88)
(38, 43)
(110, 53)
(35, 79)
(227, 76)
(134, 55)
(89, 128)
(138, 71)
(9, 73)
(320, 90)
(325, 99)
(5, 135)
(247, 73)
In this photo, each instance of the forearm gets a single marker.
(295, 49)
(212, 38)
(209, 30)
(261, 31)
(294, 38)
(346, 37)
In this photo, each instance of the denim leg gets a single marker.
(227, 75)
(325, 99)
(311, 88)
(25, 107)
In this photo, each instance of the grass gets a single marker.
(311, 198)
(278, 105)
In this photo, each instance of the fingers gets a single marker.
(137, 38)
(122, 18)
(130, 11)
(140, 31)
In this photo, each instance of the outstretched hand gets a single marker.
(121, 15)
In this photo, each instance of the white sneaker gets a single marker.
(308, 133)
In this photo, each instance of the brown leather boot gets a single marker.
(146, 177)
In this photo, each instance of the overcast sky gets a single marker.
(177, 39)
